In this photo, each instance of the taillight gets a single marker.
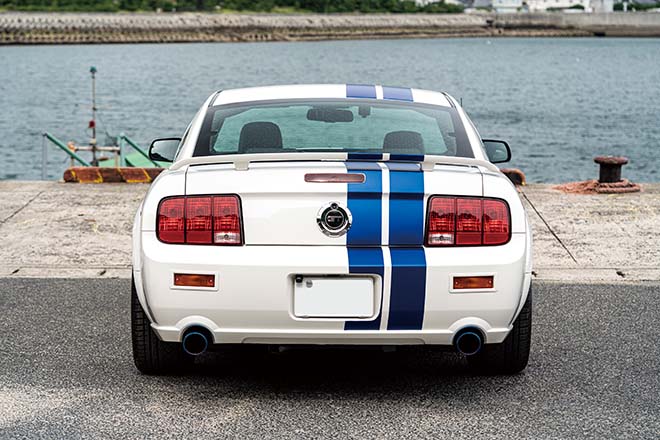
(199, 224)
(467, 221)
(200, 220)
(227, 220)
(170, 220)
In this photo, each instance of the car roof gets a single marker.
(330, 91)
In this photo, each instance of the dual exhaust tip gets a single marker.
(469, 341)
(196, 341)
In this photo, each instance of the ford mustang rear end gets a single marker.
(331, 214)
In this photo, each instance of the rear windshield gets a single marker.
(362, 125)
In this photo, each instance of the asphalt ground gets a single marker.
(66, 371)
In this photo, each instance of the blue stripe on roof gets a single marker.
(397, 93)
(360, 91)
(366, 261)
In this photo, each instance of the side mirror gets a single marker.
(164, 150)
(497, 151)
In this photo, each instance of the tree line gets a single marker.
(319, 6)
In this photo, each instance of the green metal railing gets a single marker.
(66, 149)
(123, 142)
(123, 138)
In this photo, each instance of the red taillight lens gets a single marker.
(496, 222)
(468, 222)
(227, 220)
(200, 220)
(463, 221)
(442, 222)
(170, 220)
(199, 223)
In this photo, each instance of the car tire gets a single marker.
(150, 354)
(510, 356)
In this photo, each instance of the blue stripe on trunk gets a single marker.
(366, 261)
(408, 292)
(406, 238)
(406, 208)
(365, 204)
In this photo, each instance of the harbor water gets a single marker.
(559, 102)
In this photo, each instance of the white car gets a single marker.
(331, 214)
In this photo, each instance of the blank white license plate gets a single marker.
(321, 297)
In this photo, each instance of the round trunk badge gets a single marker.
(334, 220)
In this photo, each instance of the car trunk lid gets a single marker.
(282, 205)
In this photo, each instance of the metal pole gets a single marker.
(92, 70)
(44, 159)
(120, 142)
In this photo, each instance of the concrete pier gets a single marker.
(51, 229)
(83, 28)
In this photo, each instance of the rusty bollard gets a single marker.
(610, 168)
(609, 180)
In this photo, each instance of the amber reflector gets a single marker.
(194, 280)
(483, 282)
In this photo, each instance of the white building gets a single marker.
(507, 6)
(504, 6)
(602, 5)
(588, 5)
(544, 5)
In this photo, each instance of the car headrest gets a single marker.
(260, 137)
(403, 142)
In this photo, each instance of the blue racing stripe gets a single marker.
(408, 289)
(367, 261)
(365, 156)
(397, 166)
(364, 202)
(406, 208)
(360, 91)
(406, 238)
(407, 157)
(397, 93)
(361, 166)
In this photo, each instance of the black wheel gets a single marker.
(510, 356)
(150, 354)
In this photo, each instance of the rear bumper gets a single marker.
(253, 302)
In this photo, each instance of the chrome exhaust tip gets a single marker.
(195, 342)
(468, 342)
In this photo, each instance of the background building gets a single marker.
(505, 6)
(544, 5)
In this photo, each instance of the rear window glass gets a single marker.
(370, 126)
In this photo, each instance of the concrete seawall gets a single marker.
(77, 28)
(61, 230)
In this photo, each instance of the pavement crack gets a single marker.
(13, 214)
(547, 225)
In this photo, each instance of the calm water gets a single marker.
(558, 101)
